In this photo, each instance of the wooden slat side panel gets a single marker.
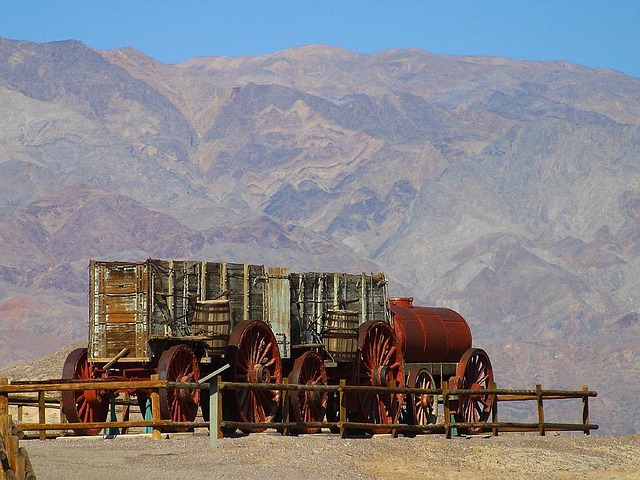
(297, 310)
(378, 298)
(314, 294)
(257, 303)
(214, 284)
(178, 286)
(240, 286)
(119, 336)
(121, 308)
(186, 292)
(160, 297)
(316, 290)
(235, 285)
(118, 304)
(279, 307)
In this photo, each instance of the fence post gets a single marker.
(125, 413)
(63, 417)
(220, 410)
(155, 408)
(4, 398)
(215, 412)
(343, 409)
(394, 409)
(286, 407)
(540, 410)
(585, 410)
(494, 410)
(7, 455)
(215, 405)
(42, 417)
(10, 460)
(447, 412)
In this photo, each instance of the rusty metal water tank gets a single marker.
(427, 334)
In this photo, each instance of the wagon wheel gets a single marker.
(179, 364)
(422, 407)
(474, 372)
(254, 358)
(83, 406)
(380, 363)
(309, 369)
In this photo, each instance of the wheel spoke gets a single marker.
(388, 357)
(267, 349)
(177, 364)
(482, 380)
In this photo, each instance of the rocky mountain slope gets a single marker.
(507, 190)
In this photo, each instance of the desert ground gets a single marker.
(322, 456)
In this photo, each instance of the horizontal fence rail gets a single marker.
(14, 394)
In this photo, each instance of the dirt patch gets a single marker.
(270, 455)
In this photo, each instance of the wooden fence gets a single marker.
(9, 396)
(14, 459)
(448, 396)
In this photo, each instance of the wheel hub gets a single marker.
(184, 394)
(381, 376)
(477, 387)
(259, 374)
(313, 398)
(425, 401)
(93, 397)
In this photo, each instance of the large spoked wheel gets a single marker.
(254, 358)
(474, 372)
(308, 406)
(380, 364)
(83, 406)
(422, 407)
(179, 364)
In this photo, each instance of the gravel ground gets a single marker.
(323, 456)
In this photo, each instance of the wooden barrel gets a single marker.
(340, 334)
(212, 321)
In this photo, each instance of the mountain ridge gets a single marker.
(506, 190)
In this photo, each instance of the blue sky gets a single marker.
(603, 34)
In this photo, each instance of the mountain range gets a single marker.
(506, 190)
